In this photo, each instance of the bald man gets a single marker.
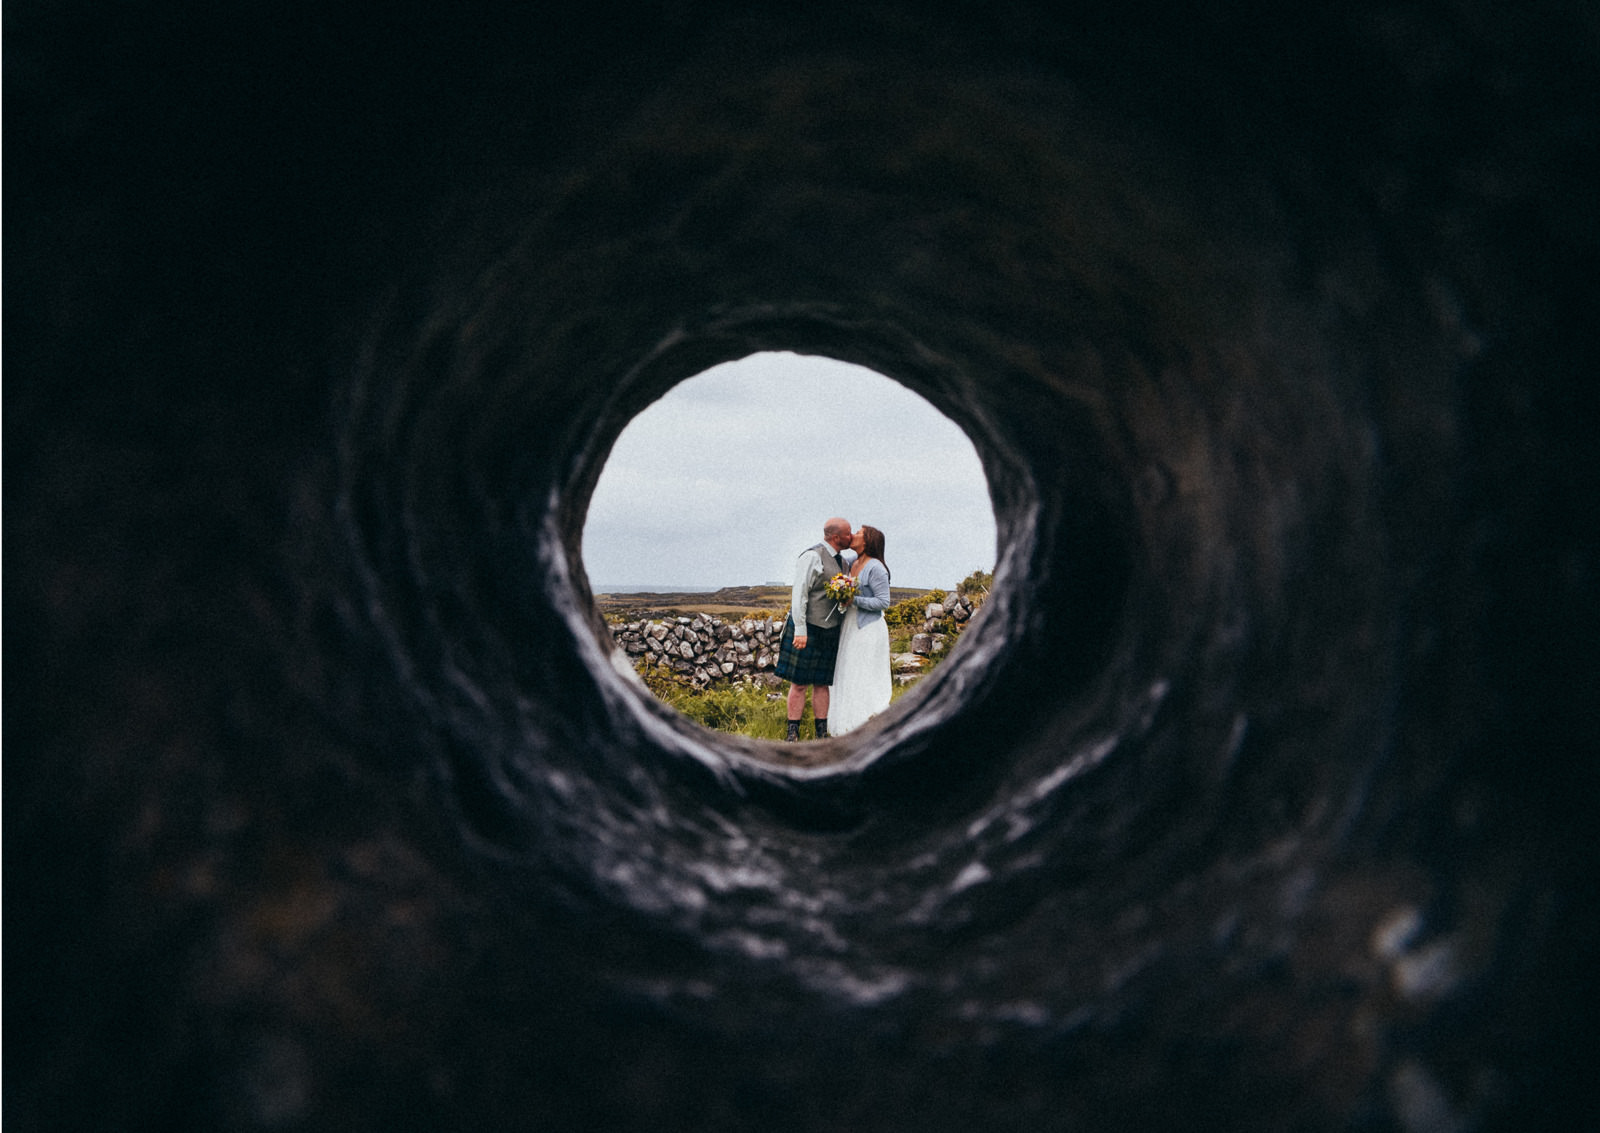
(810, 643)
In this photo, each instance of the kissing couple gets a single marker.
(837, 647)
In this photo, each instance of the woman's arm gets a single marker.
(874, 592)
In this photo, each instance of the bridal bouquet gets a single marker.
(842, 589)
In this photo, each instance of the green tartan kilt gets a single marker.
(812, 665)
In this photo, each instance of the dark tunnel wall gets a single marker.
(1257, 800)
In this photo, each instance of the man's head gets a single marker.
(836, 533)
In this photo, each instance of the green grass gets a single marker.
(757, 712)
(760, 712)
(753, 711)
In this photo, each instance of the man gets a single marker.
(810, 642)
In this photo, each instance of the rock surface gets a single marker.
(1260, 798)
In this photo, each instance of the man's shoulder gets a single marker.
(806, 562)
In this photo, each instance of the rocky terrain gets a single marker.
(1261, 796)
(705, 649)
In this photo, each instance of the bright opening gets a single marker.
(711, 495)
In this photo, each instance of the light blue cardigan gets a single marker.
(873, 597)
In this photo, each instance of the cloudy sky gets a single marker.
(716, 483)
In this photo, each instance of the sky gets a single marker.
(716, 483)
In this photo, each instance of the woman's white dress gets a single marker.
(861, 681)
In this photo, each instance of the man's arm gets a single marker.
(809, 566)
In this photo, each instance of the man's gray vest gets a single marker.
(820, 609)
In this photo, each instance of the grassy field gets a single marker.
(746, 709)
(729, 601)
(757, 712)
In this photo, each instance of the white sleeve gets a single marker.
(807, 568)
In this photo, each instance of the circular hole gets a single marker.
(709, 496)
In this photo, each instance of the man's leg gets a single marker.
(820, 696)
(797, 707)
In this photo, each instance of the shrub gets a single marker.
(661, 680)
(742, 709)
(908, 613)
(975, 587)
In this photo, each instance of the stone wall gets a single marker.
(707, 650)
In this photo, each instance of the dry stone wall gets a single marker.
(707, 650)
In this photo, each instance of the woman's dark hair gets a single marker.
(872, 544)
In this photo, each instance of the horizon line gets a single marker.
(669, 588)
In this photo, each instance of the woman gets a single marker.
(861, 682)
